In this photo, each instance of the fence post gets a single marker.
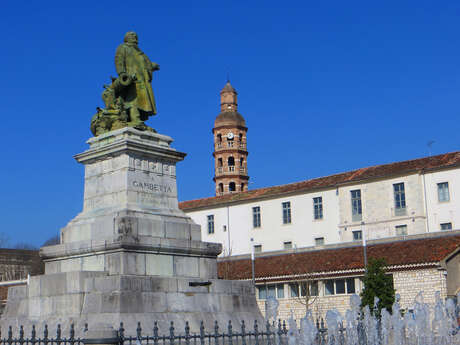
(101, 334)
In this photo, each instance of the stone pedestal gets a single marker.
(131, 255)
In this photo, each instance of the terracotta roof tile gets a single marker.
(410, 252)
(427, 163)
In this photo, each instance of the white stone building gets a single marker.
(403, 198)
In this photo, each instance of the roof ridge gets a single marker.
(353, 175)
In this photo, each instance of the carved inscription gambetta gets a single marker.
(153, 187)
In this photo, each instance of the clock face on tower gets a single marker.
(230, 135)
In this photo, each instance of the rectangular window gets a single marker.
(256, 217)
(318, 207)
(446, 226)
(272, 290)
(262, 290)
(357, 235)
(286, 212)
(329, 287)
(356, 208)
(339, 286)
(294, 288)
(401, 230)
(211, 224)
(287, 245)
(300, 289)
(319, 241)
(280, 290)
(351, 285)
(314, 291)
(400, 199)
(443, 192)
(258, 248)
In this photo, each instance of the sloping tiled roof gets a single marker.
(428, 163)
(410, 252)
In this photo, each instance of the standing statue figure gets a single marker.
(129, 99)
(135, 68)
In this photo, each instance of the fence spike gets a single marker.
(155, 333)
(187, 333)
(187, 328)
(284, 327)
(121, 331)
(243, 333)
(216, 333)
(230, 332)
(45, 333)
(10, 333)
(34, 333)
(139, 330)
(202, 332)
(171, 331)
(155, 329)
(72, 332)
(256, 332)
(21, 333)
(86, 327)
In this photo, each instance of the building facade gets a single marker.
(428, 263)
(398, 199)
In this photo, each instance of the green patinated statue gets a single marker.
(129, 100)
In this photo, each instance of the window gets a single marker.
(357, 235)
(446, 226)
(242, 187)
(356, 209)
(300, 289)
(211, 224)
(287, 245)
(221, 187)
(318, 207)
(231, 164)
(339, 286)
(286, 212)
(232, 187)
(272, 290)
(258, 248)
(443, 192)
(401, 230)
(319, 241)
(241, 161)
(256, 217)
(400, 199)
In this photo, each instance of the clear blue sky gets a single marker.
(325, 87)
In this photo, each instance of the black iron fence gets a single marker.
(267, 334)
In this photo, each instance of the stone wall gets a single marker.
(407, 283)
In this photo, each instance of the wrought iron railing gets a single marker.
(267, 334)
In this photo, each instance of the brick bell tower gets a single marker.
(230, 151)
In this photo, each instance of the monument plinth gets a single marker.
(131, 255)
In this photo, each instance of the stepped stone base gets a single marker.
(96, 297)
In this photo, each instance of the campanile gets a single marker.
(230, 150)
